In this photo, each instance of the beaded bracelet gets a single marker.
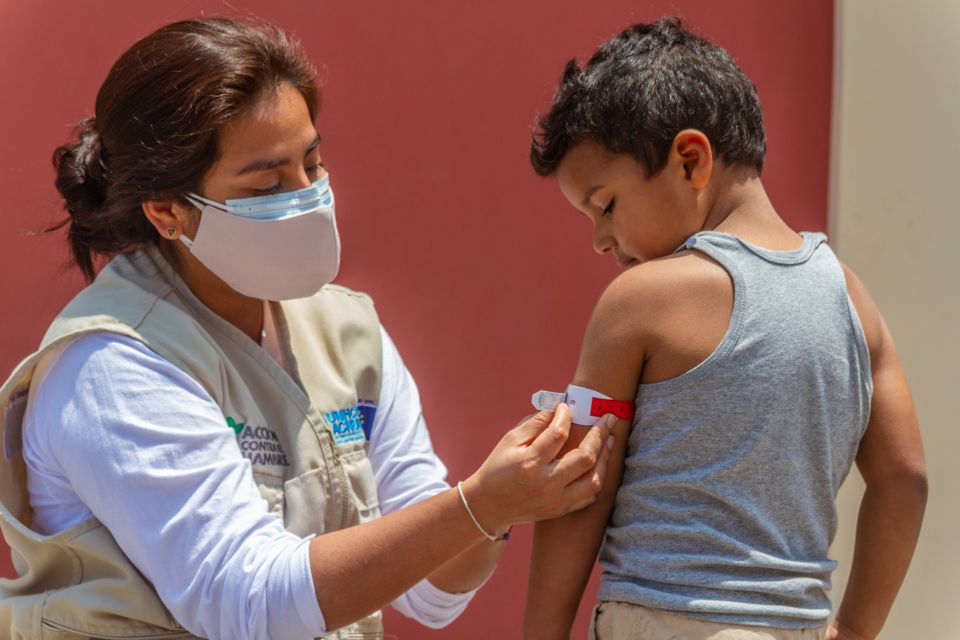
(492, 538)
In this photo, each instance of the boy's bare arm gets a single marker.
(564, 549)
(891, 461)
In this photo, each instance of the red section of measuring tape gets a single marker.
(623, 409)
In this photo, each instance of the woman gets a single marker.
(208, 434)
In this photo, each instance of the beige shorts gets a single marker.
(623, 621)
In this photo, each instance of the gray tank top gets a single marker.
(726, 509)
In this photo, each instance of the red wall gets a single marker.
(482, 273)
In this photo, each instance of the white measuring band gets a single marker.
(586, 405)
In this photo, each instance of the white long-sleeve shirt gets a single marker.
(115, 431)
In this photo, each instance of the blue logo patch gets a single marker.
(353, 424)
(347, 425)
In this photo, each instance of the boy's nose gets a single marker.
(603, 242)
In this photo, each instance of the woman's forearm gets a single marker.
(359, 570)
(469, 570)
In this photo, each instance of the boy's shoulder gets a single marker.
(658, 293)
(661, 318)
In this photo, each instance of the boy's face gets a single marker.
(634, 218)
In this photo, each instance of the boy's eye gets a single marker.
(607, 210)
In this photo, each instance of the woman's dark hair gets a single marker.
(643, 87)
(155, 130)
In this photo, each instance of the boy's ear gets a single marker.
(691, 151)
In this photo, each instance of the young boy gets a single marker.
(760, 367)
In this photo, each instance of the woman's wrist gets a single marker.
(492, 537)
(488, 517)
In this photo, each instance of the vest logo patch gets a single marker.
(259, 445)
(351, 425)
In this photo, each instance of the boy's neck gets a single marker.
(740, 206)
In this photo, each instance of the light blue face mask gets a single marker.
(275, 247)
(275, 206)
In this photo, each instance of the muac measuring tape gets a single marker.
(586, 405)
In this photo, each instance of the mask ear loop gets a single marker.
(200, 203)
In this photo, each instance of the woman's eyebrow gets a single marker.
(263, 165)
(266, 164)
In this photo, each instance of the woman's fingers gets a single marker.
(523, 480)
(548, 443)
(583, 491)
(600, 471)
(592, 452)
(532, 426)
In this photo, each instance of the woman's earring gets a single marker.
(172, 232)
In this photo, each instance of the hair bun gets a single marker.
(81, 173)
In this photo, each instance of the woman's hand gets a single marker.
(522, 480)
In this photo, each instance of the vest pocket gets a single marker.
(312, 503)
(332, 497)
(271, 489)
(362, 486)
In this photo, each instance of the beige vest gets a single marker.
(302, 432)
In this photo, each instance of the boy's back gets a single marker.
(726, 508)
(751, 352)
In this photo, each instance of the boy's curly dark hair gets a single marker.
(641, 88)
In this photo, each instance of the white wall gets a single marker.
(896, 221)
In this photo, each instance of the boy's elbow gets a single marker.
(910, 482)
(918, 482)
(916, 487)
(913, 493)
